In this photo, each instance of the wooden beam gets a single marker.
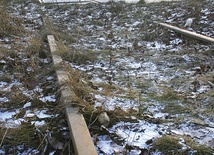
(70, 2)
(81, 138)
(188, 33)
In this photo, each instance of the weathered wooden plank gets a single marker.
(82, 141)
(69, 2)
(189, 33)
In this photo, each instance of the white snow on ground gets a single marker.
(6, 87)
(51, 98)
(4, 116)
(28, 104)
(4, 99)
(8, 119)
(133, 134)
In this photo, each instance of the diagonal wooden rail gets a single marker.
(69, 1)
(82, 141)
(188, 33)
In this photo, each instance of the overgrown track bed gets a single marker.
(150, 82)
(153, 87)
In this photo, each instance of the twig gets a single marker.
(92, 122)
(44, 139)
(91, 118)
(4, 137)
(67, 144)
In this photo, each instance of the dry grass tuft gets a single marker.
(10, 25)
(24, 135)
(169, 145)
(79, 57)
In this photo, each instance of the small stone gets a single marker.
(150, 141)
(104, 119)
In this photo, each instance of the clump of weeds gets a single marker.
(175, 108)
(166, 95)
(171, 145)
(10, 25)
(76, 56)
(23, 135)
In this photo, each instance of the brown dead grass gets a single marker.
(10, 25)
